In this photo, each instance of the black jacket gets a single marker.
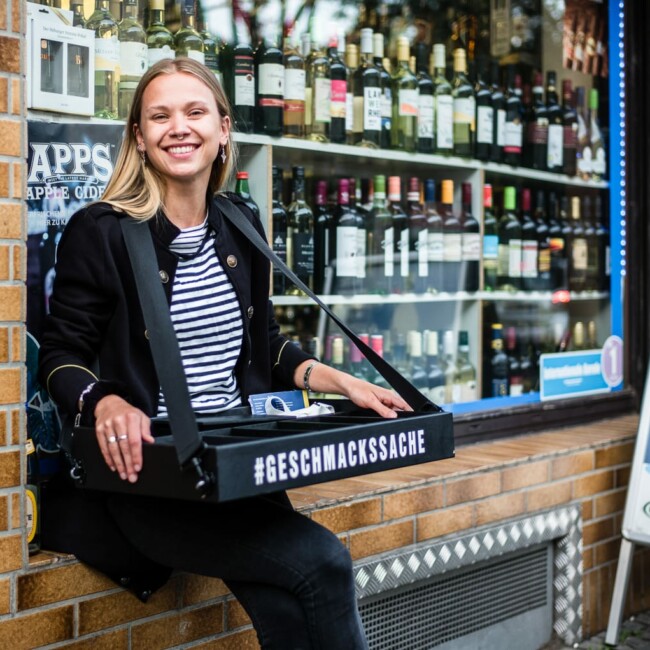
(96, 329)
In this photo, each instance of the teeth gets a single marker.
(185, 149)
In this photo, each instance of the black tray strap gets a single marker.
(162, 338)
(405, 388)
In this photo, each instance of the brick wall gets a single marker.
(13, 553)
(55, 601)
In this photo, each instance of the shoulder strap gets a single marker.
(405, 388)
(164, 345)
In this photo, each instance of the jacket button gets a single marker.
(145, 595)
(231, 261)
(146, 334)
(250, 311)
(164, 276)
(125, 580)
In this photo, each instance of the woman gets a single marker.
(292, 576)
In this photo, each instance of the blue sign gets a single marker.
(570, 374)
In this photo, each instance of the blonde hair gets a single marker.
(136, 187)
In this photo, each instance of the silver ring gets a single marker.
(124, 436)
(111, 439)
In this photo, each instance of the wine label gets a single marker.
(579, 254)
(452, 247)
(196, 55)
(346, 252)
(544, 261)
(403, 250)
(338, 93)
(514, 258)
(244, 89)
(555, 145)
(422, 247)
(436, 247)
(501, 128)
(444, 122)
(294, 84)
(107, 54)
(484, 124)
(538, 132)
(408, 102)
(156, 54)
(529, 258)
(372, 109)
(471, 246)
(271, 79)
(349, 112)
(133, 59)
(388, 246)
(361, 252)
(490, 247)
(513, 133)
(303, 254)
(465, 111)
(322, 100)
(425, 116)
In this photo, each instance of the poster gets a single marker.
(68, 165)
(584, 37)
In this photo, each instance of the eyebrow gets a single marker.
(163, 107)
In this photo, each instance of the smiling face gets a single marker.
(180, 128)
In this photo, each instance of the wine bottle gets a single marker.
(210, 49)
(78, 55)
(578, 260)
(570, 126)
(381, 262)
(499, 111)
(416, 369)
(323, 236)
(536, 150)
(436, 244)
(484, 113)
(107, 60)
(160, 41)
(318, 128)
(242, 188)
(300, 232)
(543, 244)
(557, 245)
(377, 346)
(604, 251)
(515, 375)
(435, 373)
(405, 101)
(32, 500)
(418, 238)
(464, 107)
(498, 363)
(452, 237)
(294, 92)
(367, 96)
(338, 92)
(490, 241)
(279, 224)
(425, 100)
(452, 377)
(345, 242)
(362, 236)
(401, 234)
(338, 355)
(598, 155)
(386, 90)
(591, 282)
(513, 127)
(444, 104)
(529, 244)
(239, 73)
(133, 56)
(187, 40)
(466, 370)
(269, 90)
(470, 241)
(510, 244)
(353, 121)
(555, 157)
(358, 364)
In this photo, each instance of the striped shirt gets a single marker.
(208, 323)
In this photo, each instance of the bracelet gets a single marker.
(305, 379)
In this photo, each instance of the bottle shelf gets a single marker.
(545, 297)
(308, 151)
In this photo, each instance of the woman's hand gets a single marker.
(120, 430)
(324, 379)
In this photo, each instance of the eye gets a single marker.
(196, 112)
(159, 117)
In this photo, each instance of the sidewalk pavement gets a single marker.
(635, 635)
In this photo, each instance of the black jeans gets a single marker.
(292, 576)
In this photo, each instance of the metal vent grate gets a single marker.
(428, 614)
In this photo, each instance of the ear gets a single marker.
(138, 137)
(225, 130)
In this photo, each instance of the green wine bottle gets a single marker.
(133, 56)
(404, 127)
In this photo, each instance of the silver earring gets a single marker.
(223, 154)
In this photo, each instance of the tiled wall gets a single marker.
(12, 293)
(56, 599)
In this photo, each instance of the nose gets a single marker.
(178, 127)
